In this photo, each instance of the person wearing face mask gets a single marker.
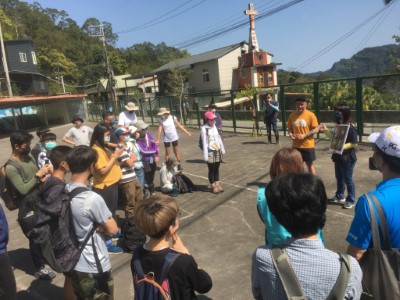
(131, 189)
(386, 158)
(167, 125)
(109, 121)
(149, 153)
(49, 142)
(106, 172)
(345, 162)
(128, 116)
(25, 183)
(213, 149)
(218, 120)
(271, 118)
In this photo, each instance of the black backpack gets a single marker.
(50, 226)
(146, 286)
(184, 183)
(8, 193)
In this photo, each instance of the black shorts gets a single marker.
(308, 154)
(174, 144)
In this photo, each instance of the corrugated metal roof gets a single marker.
(206, 56)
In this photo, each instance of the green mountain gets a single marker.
(369, 61)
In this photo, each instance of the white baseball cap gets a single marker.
(388, 140)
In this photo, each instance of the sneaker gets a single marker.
(348, 205)
(337, 200)
(114, 249)
(45, 274)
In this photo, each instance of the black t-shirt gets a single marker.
(184, 276)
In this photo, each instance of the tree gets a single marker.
(250, 92)
(395, 55)
(176, 80)
(6, 25)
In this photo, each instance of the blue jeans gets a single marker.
(344, 178)
(140, 176)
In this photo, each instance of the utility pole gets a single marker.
(5, 66)
(110, 72)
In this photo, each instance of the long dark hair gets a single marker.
(98, 135)
(346, 112)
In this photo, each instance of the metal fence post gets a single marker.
(282, 104)
(359, 108)
(316, 100)
(198, 114)
(233, 115)
(151, 112)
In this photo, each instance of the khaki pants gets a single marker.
(133, 193)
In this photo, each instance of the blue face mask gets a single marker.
(112, 122)
(106, 139)
(50, 145)
(337, 116)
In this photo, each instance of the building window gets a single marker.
(243, 72)
(22, 57)
(270, 77)
(260, 58)
(41, 84)
(34, 58)
(206, 76)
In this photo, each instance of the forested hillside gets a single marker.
(369, 61)
(64, 48)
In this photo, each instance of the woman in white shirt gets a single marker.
(167, 173)
(213, 150)
(168, 125)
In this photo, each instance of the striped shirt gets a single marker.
(128, 173)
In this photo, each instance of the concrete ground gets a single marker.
(221, 231)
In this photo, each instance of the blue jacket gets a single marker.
(3, 231)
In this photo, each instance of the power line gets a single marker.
(341, 39)
(378, 23)
(232, 27)
(159, 19)
(227, 22)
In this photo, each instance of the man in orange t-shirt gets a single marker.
(302, 125)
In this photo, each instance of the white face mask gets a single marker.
(127, 138)
(213, 110)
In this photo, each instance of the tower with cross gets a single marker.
(253, 43)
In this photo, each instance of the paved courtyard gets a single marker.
(221, 231)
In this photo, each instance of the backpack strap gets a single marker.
(339, 289)
(19, 168)
(168, 262)
(287, 275)
(169, 259)
(374, 223)
(136, 262)
(75, 192)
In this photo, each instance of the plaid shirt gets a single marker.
(316, 268)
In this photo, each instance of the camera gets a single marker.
(372, 165)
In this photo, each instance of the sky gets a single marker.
(293, 35)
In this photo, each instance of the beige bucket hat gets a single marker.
(162, 111)
(131, 106)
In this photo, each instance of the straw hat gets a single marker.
(131, 106)
(162, 111)
(141, 124)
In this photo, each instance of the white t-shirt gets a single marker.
(80, 135)
(168, 124)
(125, 118)
(89, 207)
